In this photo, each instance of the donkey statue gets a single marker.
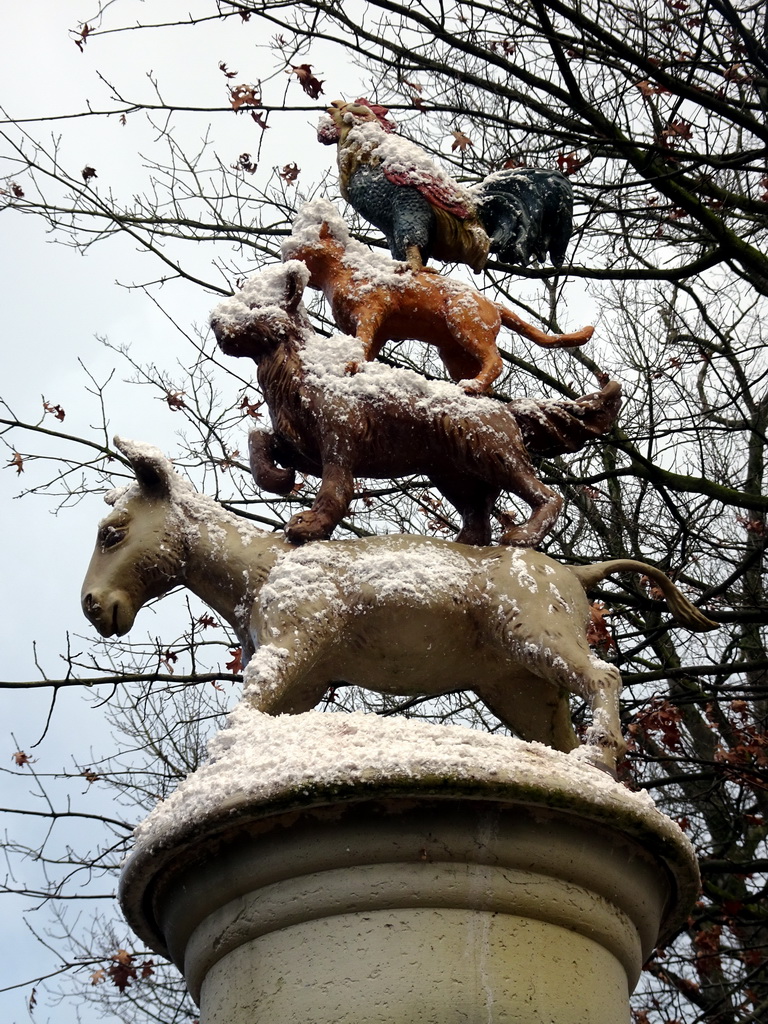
(338, 417)
(377, 300)
(396, 614)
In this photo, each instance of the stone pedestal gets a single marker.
(469, 890)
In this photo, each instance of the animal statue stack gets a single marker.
(338, 416)
(504, 620)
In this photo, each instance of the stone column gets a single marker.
(492, 881)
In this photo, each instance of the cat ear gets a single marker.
(296, 277)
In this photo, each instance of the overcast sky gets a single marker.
(56, 303)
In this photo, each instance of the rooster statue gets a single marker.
(518, 215)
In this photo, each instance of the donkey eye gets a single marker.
(112, 535)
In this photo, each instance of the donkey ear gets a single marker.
(154, 472)
(296, 277)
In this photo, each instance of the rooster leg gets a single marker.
(414, 262)
(413, 258)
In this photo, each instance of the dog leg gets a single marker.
(330, 506)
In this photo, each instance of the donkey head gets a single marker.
(139, 551)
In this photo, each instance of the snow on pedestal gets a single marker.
(363, 870)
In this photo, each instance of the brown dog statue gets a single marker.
(383, 422)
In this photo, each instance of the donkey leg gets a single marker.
(568, 663)
(533, 710)
(286, 675)
(279, 681)
(330, 506)
(600, 684)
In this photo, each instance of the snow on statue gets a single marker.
(339, 417)
(520, 215)
(396, 614)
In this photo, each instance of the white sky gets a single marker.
(54, 304)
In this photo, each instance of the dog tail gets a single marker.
(553, 427)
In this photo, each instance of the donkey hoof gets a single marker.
(596, 758)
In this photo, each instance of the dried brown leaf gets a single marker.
(17, 463)
(250, 408)
(236, 664)
(598, 634)
(54, 410)
(121, 970)
(650, 88)
(245, 95)
(461, 142)
(175, 400)
(569, 163)
(82, 37)
(244, 163)
(311, 85)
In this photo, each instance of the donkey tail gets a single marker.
(681, 608)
